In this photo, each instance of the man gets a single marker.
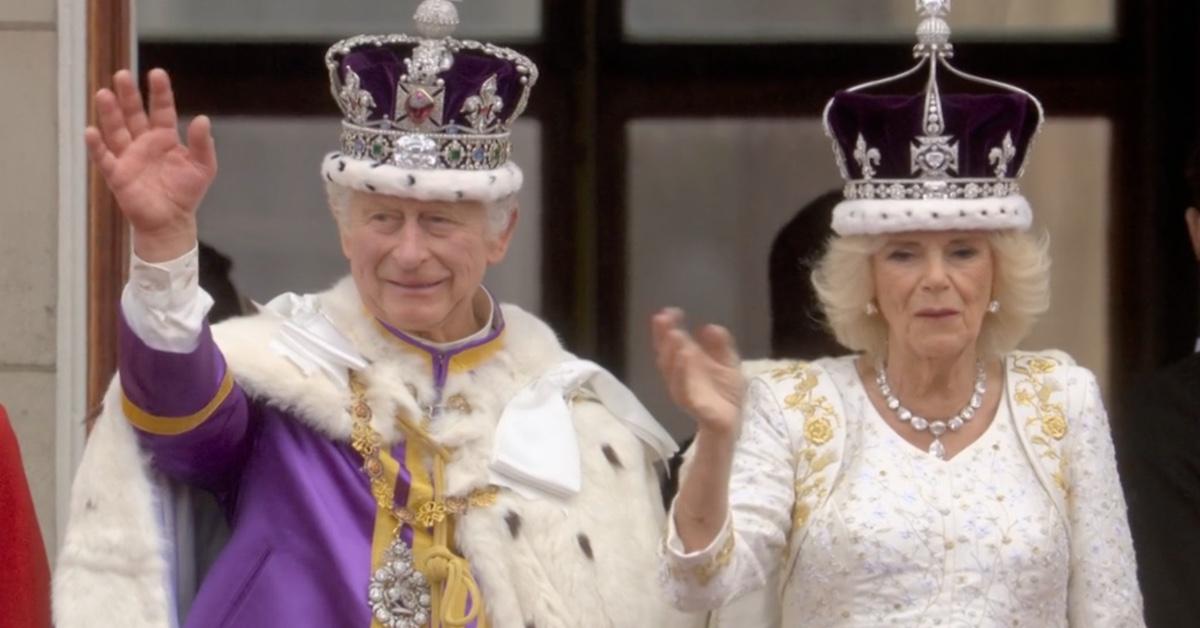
(1159, 457)
(25, 575)
(400, 451)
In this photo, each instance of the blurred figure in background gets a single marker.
(1159, 460)
(798, 327)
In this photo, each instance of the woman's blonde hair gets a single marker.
(1021, 283)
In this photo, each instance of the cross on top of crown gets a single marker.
(933, 8)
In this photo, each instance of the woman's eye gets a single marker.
(965, 253)
(900, 255)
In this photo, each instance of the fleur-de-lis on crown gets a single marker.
(866, 157)
(481, 110)
(355, 101)
(1002, 155)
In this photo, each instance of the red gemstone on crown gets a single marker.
(420, 107)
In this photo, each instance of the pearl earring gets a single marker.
(993, 307)
(871, 309)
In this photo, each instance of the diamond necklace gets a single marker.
(937, 427)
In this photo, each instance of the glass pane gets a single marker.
(267, 210)
(716, 193)
(1067, 182)
(319, 20)
(789, 20)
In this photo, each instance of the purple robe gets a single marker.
(298, 503)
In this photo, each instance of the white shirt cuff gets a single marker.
(163, 303)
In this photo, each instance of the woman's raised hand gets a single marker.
(158, 181)
(702, 373)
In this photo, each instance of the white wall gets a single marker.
(29, 239)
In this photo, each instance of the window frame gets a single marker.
(1144, 80)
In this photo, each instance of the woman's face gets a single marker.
(933, 289)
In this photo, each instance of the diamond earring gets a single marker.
(871, 309)
(993, 307)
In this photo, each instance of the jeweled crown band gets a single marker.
(907, 189)
(426, 151)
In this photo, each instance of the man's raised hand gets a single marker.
(157, 180)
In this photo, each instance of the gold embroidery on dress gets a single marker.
(704, 573)
(1036, 391)
(820, 421)
(818, 412)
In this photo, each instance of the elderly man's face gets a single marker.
(933, 290)
(418, 265)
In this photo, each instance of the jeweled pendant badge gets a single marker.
(398, 593)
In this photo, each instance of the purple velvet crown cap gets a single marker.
(379, 69)
(932, 161)
(890, 124)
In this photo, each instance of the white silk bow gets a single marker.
(536, 446)
(309, 339)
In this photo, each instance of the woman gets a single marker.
(938, 477)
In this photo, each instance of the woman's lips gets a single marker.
(936, 313)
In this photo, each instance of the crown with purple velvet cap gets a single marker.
(932, 161)
(428, 116)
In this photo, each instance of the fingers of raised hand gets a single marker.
(720, 345)
(689, 372)
(99, 153)
(130, 100)
(201, 144)
(679, 374)
(679, 351)
(112, 123)
(662, 323)
(162, 100)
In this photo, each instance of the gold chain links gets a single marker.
(367, 442)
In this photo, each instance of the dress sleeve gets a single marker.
(751, 544)
(1103, 582)
(176, 390)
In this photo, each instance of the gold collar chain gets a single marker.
(368, 443)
